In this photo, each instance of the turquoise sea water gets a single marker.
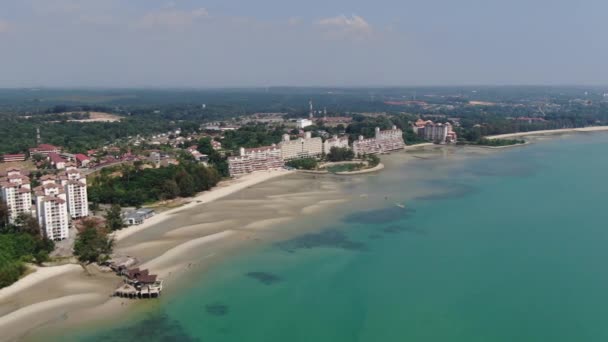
(512, 247)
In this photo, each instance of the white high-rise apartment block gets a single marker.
(16, 193)
(307, 147)
(52, 209)
(75, 187)
(384, 141)
(255, 159)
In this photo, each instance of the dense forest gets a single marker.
(147, 112)
(134, 185)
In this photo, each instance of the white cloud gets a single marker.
(172, 18)
(343, 27)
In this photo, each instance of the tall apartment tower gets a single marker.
(15, 190)
(75, 187)
(52, 209)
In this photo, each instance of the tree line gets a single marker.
(20, 243)
(130, 185)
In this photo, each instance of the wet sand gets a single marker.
(193, 236)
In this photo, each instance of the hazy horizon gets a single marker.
(213, 44)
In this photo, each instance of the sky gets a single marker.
(260, 43)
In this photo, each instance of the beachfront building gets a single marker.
(255, 159)
(306, 147)
(384, 141)
(435, 132)
(15, 189)
(335, 141)
(52, 209)
(75, 187)
(138, 216)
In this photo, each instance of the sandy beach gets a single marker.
(213, 225)
(548, 132)
(237, 214)
(223, 189)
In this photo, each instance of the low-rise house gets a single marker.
(82, 160)
(137, 217)
(57, 161)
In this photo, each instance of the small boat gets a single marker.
(400, 205)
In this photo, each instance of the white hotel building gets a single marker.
(307, 147)
(52, 209)
(16, 193)
(75, 187)
(384, 141)
(255, 159)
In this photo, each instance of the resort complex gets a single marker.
(275, 157)
(435, 132)
(302, 147)
(384, 141)
(255, 159)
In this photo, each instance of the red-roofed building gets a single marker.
(82, 160)
(57, 161)
(7, 158)
(45, 149)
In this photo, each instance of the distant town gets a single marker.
(67, 169)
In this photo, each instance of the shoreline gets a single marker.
(171, 260)
(221, 190)
(40, 275)
(548, 132)
(169, 250)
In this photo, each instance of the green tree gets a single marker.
(303, 164)
(114, 218)
(3, 214)
(186, 186)
(170, 189)
(28, 224)
(92, 243)
(337, 154)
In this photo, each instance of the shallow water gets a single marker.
(508, 246)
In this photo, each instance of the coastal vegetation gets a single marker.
(252, 136)
(337, 154)
(134, 186)
(499, 142)
(113, 218)
(218, 161)
(303, 164)
(93, 243)
(345, 167)
(20, 243)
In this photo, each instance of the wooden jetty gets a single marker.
(139, 284)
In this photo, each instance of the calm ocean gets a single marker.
(509, 246)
